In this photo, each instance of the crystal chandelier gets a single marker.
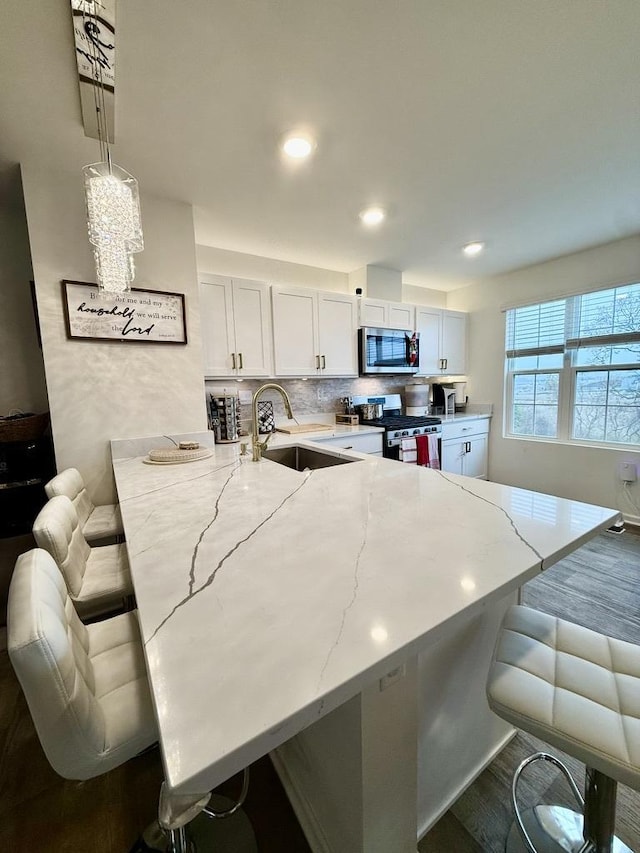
(113, 203)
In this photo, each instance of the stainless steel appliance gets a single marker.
(369, 411)
(396, 425)
(416, 399)
(388, 351)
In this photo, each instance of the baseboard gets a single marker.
(302, 807)
(432, 819)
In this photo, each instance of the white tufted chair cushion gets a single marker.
(96, 522)
(98, 579)
(86, 686)
(573, 688)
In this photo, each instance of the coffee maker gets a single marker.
(443, 399)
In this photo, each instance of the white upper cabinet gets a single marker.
(337, 334)
(386, 315)
(295, 335)
(314, 332)
(443, 341)
(428, 321)
(236, 327)
(453, 342)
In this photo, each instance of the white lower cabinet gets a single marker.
(370, 443)
(465, 447)
(314, 332)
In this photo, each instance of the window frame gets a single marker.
(567, 374)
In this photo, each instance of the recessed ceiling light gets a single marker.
(472, 249)
(372, 215)
(297, 146)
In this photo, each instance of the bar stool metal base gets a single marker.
(554, 829)
(232, 834)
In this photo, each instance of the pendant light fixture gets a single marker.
(113, 203)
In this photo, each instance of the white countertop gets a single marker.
(336, 431)
(267, 597)
(463, 416)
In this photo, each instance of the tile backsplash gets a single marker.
(311, 396)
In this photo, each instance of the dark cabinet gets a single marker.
(25, 466)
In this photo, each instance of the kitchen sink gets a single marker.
(303, 458)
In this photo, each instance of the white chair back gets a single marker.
(48, 647)
(70, 484)
(57, 530)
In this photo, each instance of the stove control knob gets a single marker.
(405, 432)
(416, 432)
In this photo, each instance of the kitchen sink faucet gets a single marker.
(258, 446)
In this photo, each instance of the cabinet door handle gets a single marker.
(348, 447)
(233, 360)
(240, 364)
(467, 447)
(446, 362)
(317, 362)
(324, 362)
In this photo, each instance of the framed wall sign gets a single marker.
(149, 316)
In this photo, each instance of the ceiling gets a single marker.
(516, 122)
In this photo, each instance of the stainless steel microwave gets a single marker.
(388, 351)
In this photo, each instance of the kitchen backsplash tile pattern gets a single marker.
(311, 396)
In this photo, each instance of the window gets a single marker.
(573, 368)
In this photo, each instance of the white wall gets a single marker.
(22, 384)
(424, 296)
(224, 262)
(103, 390)
(581, 473)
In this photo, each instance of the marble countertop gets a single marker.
(464, 416)
(267, 596)
(336, 431)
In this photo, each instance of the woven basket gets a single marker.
(24, 428)
(176, 454)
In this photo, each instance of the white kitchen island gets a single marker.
(342, 618)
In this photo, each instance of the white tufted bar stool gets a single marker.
(580, 692)
(88, 694)
(85, 685)
(98, 523)
(98, 579)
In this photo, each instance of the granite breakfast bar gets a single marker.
(340, 619)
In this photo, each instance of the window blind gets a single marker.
(536, 329)
(607, 318)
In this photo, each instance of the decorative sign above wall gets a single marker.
(150, 316)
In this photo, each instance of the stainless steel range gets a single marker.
(396, 425)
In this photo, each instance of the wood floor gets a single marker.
(597, 586)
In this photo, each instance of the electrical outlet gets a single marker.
(627, 472)
(393, 676)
